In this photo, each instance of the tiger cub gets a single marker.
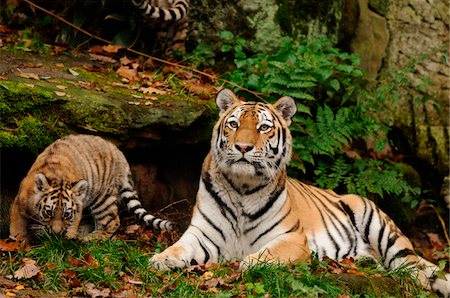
(248, 208)
(170, 19)
(72, 176)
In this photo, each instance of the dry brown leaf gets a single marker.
(111, 48)
(61, 87)
(9, 245)
(92, 291)
(59, 93)
(125, 61)
(207, 275)
(28, 270)
(128, 73)
(151, 90)
(29, 75)
(102, 58)
(131, 229)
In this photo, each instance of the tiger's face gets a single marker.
(252, 140)
(58, 203)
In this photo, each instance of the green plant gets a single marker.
(336, 113)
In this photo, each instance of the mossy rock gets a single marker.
(37, 111)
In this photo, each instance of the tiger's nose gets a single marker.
(243, 148)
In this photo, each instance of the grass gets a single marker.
(70, 267)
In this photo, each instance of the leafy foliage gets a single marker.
(336, 106)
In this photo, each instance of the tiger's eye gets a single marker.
(233, 124)
(264, 128)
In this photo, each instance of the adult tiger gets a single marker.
(247, 208)
(72, 176)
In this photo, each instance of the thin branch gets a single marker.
(172, 204)
(441, 220)
(140, 53)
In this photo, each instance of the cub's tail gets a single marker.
(134, 206)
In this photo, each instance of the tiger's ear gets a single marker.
(286, 106)
(40, 183)
(225, 99)
(80, 188)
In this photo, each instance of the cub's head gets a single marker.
(58, 203)
(251, 139)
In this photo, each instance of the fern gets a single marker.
(334, 111)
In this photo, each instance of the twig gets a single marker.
(442, 222)
(172, 204)
(140, 53)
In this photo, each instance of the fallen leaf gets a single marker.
(73, 72)
(10, 294)
(134, 282)
(29, 75)
(102, 58)
(9, 245)
(59, 93)
(19, 287)
(94, 292)
(125, 61)
(28, 270)
(32, 65)
(112, 48)
(29, 85)
(59, 65)
(61, 87)
(207, 275)
(131, 229)
(151, 90)
(128, 73)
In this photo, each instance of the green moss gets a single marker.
(27, 120)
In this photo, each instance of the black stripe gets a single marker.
(211, 223)
(173, 15)
(380, 238)
(219, 253)
(98, 202)
(401, 254)
(272, 199)
(102, 210)
(294, 228)
(350, 213)
(133, 209)
(223, 206)
(368, 222)
(271, 227)
(205, 251)
(391, 241)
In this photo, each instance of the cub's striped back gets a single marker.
(72, 176)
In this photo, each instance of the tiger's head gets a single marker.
(58, 203)
(251, 140)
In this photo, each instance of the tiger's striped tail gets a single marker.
(134, 206)
(176, 12)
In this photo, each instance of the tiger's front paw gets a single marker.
(169, 259)
(254, 259)
(442, 286)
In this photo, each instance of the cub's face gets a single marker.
(252, 139)
(58, 204)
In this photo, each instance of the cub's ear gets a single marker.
(286, 106)
(80, 188)
(225, 99)
(40, 183)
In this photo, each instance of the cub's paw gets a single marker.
(168, 259)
